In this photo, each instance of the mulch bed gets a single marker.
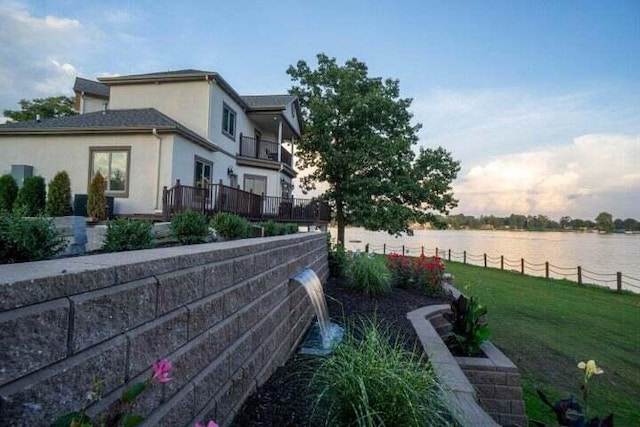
(284, 399)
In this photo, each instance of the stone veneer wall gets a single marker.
(225, 314)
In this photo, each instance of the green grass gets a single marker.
(547, 326)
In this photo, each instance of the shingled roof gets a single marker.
(91, 87)
(267, 101)
(109, 121)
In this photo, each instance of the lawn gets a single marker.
(547, 326)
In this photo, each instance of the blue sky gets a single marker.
(539, 100)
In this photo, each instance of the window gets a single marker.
(202, 172)
(113, 164)
(228, 121)
(256, 184)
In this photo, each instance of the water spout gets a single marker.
(330, 333)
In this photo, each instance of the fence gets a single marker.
(543, 269)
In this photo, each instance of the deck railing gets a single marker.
(263, 149)
(256, 207)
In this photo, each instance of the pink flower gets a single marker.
(210, 424)
(161, 370)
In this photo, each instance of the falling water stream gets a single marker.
(324, 335)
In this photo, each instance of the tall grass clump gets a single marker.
(128, 235)
(369, 274)
(374, 381)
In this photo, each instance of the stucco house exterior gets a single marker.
(144, 132)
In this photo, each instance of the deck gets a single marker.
(217, 198)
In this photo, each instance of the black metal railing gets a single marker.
(263, 149)
(256, 207)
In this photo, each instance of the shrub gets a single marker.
(270, 228)
(190, 227)
(32, 196)
(230, 226)
(27, 239)
(469, 322)
(291, 228)
(424, 273)
(59, 195)
(128, 235)
(375, 382)
(369, 274)
(8, 192)
(337, 260)
(96, 201)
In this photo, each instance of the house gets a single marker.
(144, 132)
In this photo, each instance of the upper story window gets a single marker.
(113, 164)
(228, 121)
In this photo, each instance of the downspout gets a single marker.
(154, 131)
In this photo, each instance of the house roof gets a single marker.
(268, 101)
(176, 76)
(91, 87)
(109, 121)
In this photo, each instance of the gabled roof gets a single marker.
(109, 121)
(91, 87)
(268, 101)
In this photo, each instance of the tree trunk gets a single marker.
(340, 220)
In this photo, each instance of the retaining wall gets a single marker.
(225, 314)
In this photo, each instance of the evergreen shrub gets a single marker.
(8, 192)
(190, 227)
(96, 200)
(230, 226)
(128, 235)
(32, 196)
(27, 239)
(59, 195)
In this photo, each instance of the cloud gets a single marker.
(595, 173)
(37, 54)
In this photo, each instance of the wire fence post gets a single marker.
(464, 257)
(422, 250)
(522, 265)
(501, 262)
(436, 250)
(579, 275)
(449, 254)
(402, 250)
(366, 248)
(546, 269)
(619, 281)
(384, 249)
(485, 260)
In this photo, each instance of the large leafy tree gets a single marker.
(605, 222)
(358, 139)
(55, 106)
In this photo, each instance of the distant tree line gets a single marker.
(603, 222)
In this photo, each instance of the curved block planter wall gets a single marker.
(225, 314)
(480, 391)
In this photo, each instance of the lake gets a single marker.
(600, 256)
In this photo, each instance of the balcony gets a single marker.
(262, 149)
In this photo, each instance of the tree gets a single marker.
(358, 138)
(55, 106)
(630, 224)
(604, 220)
(59, 195)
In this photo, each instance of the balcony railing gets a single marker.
(263, 149)
(221, 198)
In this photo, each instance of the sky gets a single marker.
(538, 100)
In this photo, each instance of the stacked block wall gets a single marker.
(225, 315)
